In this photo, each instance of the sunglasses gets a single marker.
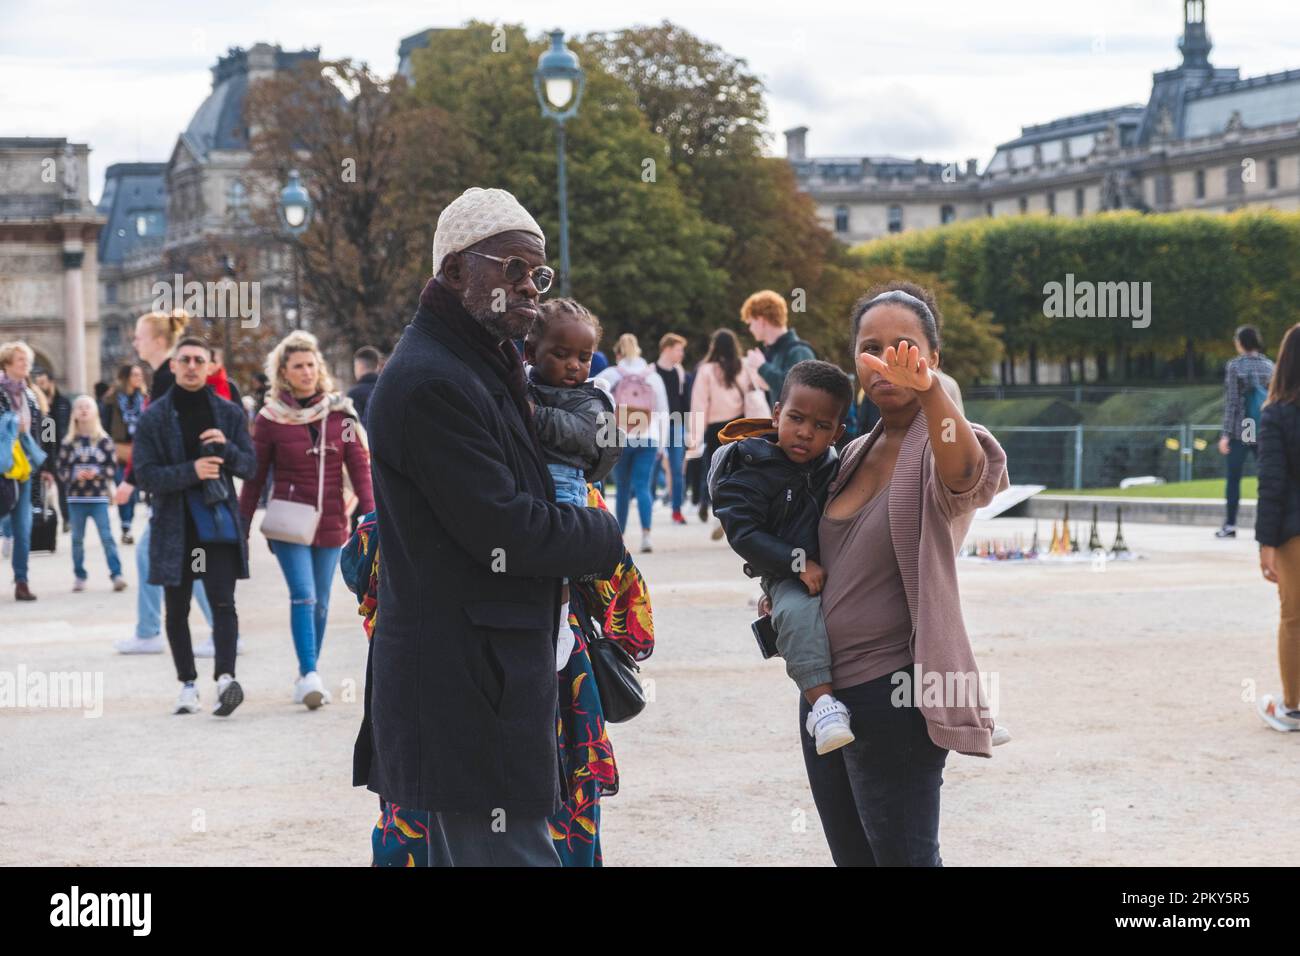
(515, 268)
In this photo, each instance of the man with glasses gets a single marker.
(189, 445)
(460, 702)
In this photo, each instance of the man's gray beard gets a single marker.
(500, 325)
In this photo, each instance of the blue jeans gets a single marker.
(676, 454)
(149, 597)
(309, 572)
(633, 476)
(126, 512)
(96, 511)
(570, 484)
(1237, 452)
(878, 797)
(18, 525)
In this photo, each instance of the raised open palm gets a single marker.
(902, 366)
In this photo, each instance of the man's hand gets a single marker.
(754, 358)
(123, 493)
(1224, 447)
(213, 435)
(764, 606)
(209, 467)
(1268, 563)
(813, 577)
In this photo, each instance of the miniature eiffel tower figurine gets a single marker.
(1119, 547)
(1065, 530)
(1094, 539)
(1056, 540)
(1033, 545)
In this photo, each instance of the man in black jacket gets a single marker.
(365, 369)
(461, 696)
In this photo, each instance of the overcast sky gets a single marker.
(944, 79)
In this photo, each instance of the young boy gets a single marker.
(769, 491)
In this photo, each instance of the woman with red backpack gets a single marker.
(641, 402)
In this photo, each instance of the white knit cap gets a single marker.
(476, 214)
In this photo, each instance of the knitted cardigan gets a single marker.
(927, 525)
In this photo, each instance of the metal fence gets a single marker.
(1100, 456)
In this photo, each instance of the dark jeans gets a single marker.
(126, 512)
(711, 444)
(878, 798)
(221, 567)
(1237, 451)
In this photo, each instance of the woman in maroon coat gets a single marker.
(287, 436)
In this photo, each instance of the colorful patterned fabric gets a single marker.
(400, 836)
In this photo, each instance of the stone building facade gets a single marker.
(49, 233)
(1207, 139)
(134, 203)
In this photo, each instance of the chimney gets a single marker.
(971, 166)
(794, 144)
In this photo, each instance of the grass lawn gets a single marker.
(1204, 488)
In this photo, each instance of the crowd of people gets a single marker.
(506, 616)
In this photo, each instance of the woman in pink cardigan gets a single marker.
(287, 436)
(900, 659)
(717, 397)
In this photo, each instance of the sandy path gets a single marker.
(1124, 691)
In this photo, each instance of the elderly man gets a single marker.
(461, 703)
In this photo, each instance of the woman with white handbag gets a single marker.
(310, 437)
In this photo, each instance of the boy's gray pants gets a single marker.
(800, 632)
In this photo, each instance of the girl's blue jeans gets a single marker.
(79, 512)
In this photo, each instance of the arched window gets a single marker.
(236, 200)
(895, 218)
(841, 218)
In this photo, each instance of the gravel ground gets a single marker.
(1128, 694)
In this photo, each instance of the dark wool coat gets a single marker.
(160, 468)
(461, 703)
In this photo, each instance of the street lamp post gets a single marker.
(559, 82)
(295, 215)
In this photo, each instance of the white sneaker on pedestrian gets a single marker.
(188, 701)
(6, 547)
(645, 542)
(229, 696)
(119, 583)
(1273, 712)
(79, 585)
(310, 690)
(141, 645)
(1000, 735)
(717, 532)
(828, 724)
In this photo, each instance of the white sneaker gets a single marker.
(188, 701)
(828, 724)
(79, 585)
(6, 547)
(310, 691)
(1273, 712)
(119, 583)
(137, 645)
(1000, 735)
(645, 542)
(229, 696)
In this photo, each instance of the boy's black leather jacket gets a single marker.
(768, 505)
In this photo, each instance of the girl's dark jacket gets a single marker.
(576, 425)
(161, 468)
(768, 505)
(460, 701)
(1277, 513)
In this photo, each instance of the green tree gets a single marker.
(642, 254)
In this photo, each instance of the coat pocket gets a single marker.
(510, 656)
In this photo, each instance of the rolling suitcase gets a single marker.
(45, 529)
